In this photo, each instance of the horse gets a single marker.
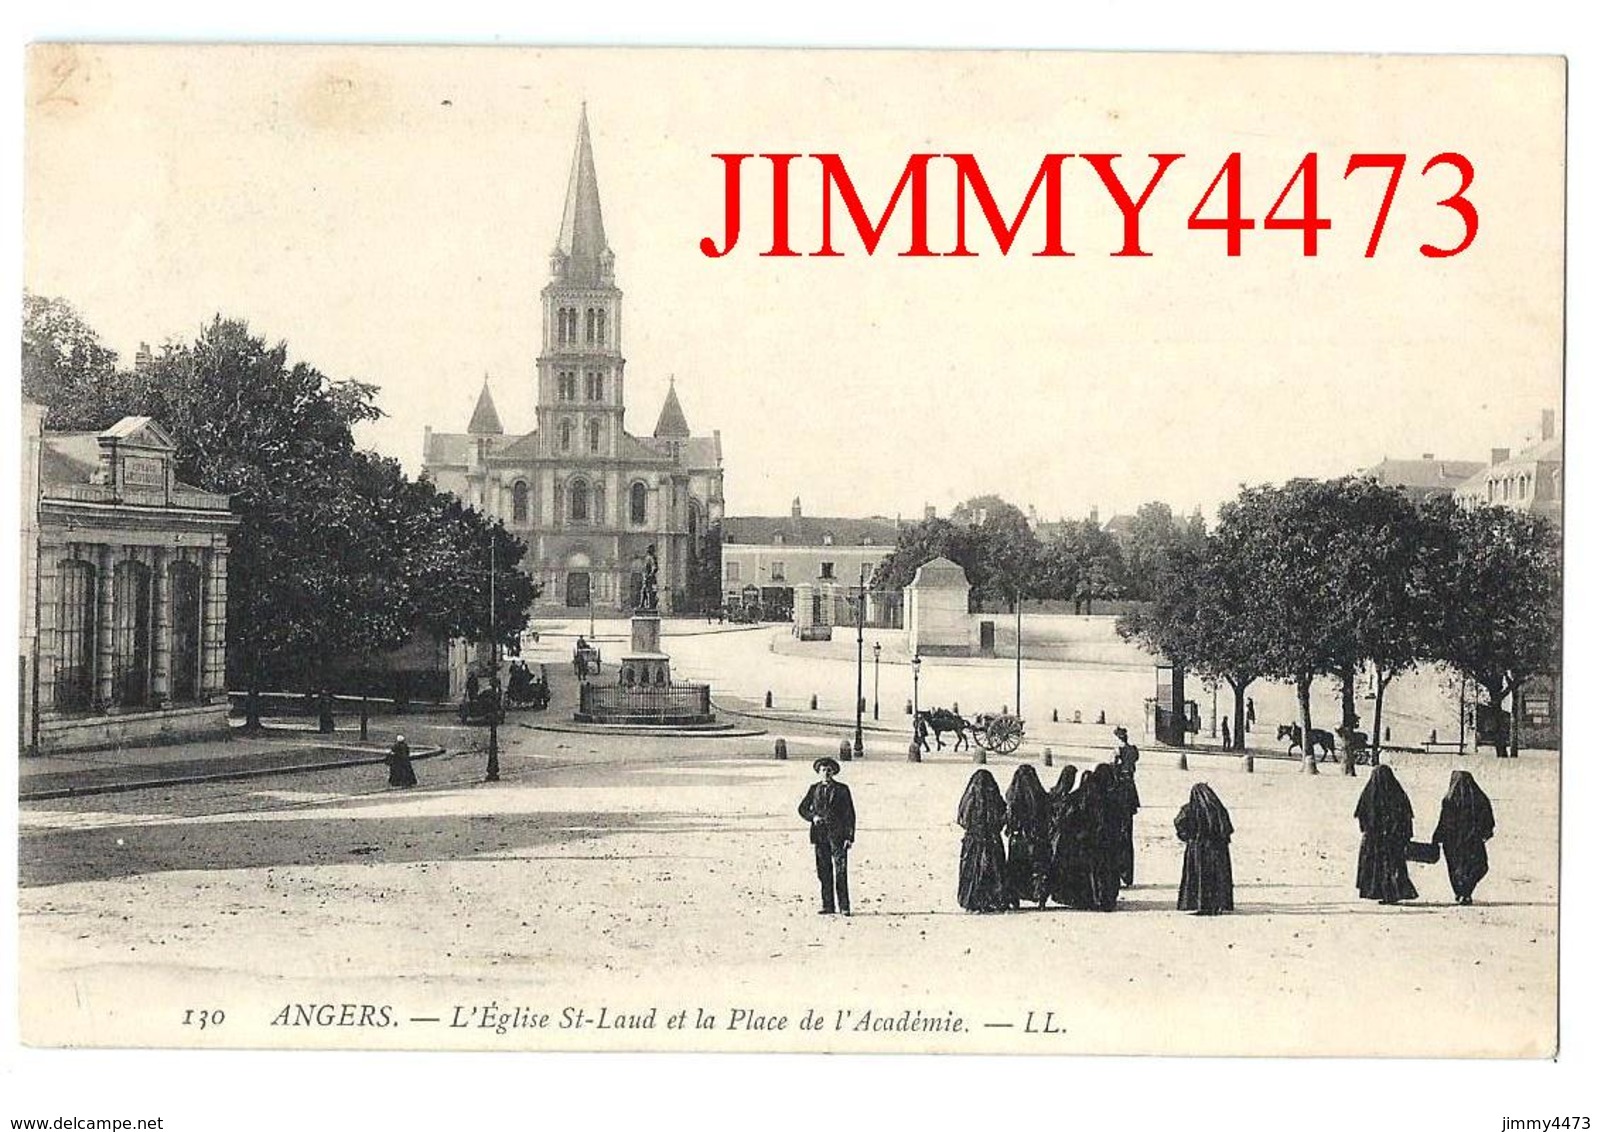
(1320, 738)
(939, 721)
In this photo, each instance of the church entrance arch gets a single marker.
(578, 580)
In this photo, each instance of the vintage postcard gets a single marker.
(814, 551)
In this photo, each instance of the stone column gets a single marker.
(161, 646)
(103, 641)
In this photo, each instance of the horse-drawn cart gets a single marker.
(999, 732)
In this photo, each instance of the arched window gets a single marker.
(636, 504)
(1523, 487)
(578, 501)
(600, 327)
(130, 635)
(519, 502)
(589, 326)
(186, 638)
(593, 428)
(75, 672)
(566, 436)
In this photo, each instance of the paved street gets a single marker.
(621, 872)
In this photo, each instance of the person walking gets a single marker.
(1384, 814)
(1467, 821)
(832, 814)
(1206, 885)
(401, 772)
(1028, 826)
(1228, 743)
(981, 871)
(1125, 802)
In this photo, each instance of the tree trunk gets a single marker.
(1349, 720)
(1239, 714)
(1512, 724)
(1378, 715)
(1303, 697)
(252, 696)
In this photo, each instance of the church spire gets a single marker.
(486, 421)
(582, 255)
(671, 425)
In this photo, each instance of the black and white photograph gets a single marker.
(630, 550)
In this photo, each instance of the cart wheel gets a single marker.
(1008, 742)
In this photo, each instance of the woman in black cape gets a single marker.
(1207, 884)
(1467, 821)
(1028, 826)
(1384, 813)
(1070, 863)
(1103, 808)
(981, 878)
(399, 760)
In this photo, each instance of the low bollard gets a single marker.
(814, 701)
(780, 749)
(908, 707)
(861, 704)
(1184, 760)
(979, 756)
(1054, 719)
(768, 701)
(914, 753)
(1102, 717)
(1047, 756)
(956, 707)
(844, 750)
(1250, 763)
(1078, 717)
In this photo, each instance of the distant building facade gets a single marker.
(767, 557)
(1530, 481)
(129, 593)
(587, 496)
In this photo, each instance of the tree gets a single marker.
(1202, 616)
(929, 539)
(66, 368)
(1080, 564)
(706, 569)
(1495, 580)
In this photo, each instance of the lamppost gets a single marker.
(493, 772)
(1018, 698)
(917, 666)
(877, 648)
(861, 606)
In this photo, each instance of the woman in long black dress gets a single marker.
(399, 760)
(1028, 840)
(981, 878)
(1126, 795)
(1384, 813)
(1467, 821)
(1207, 884)
(1070, 862)
(1103, 808)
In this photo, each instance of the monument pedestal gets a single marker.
(646, 666)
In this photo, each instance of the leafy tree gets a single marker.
(66, 368)
(932, 538)
(1495, 576)
(1202, 616)
(1080, 564)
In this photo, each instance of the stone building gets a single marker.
(767, 557)
(130, 593)
(587, 496)
(1530, 480)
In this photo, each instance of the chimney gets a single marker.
(928, 512)
(1428, 455)
(1548, 423)
(1499, 456)
(794, 509)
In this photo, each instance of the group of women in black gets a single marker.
(1075, 845)
(1384, 814)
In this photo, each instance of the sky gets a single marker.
(390, 212)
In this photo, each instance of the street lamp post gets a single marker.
(917, 667)
(493, 772)
(877, 648)
(861, 604)
(1018, 698)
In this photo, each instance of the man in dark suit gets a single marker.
(827, 806)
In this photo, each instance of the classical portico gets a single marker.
(132, 595)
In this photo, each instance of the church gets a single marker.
(587, 496)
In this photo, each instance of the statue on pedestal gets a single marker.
(647, 585)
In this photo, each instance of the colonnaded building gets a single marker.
(587, 496)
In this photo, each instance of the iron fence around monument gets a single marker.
(615, 703)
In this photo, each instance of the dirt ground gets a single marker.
(670, 883)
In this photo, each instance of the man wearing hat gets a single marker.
(1128, 799)
(827, 806)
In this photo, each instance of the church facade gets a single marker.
(587, 496)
